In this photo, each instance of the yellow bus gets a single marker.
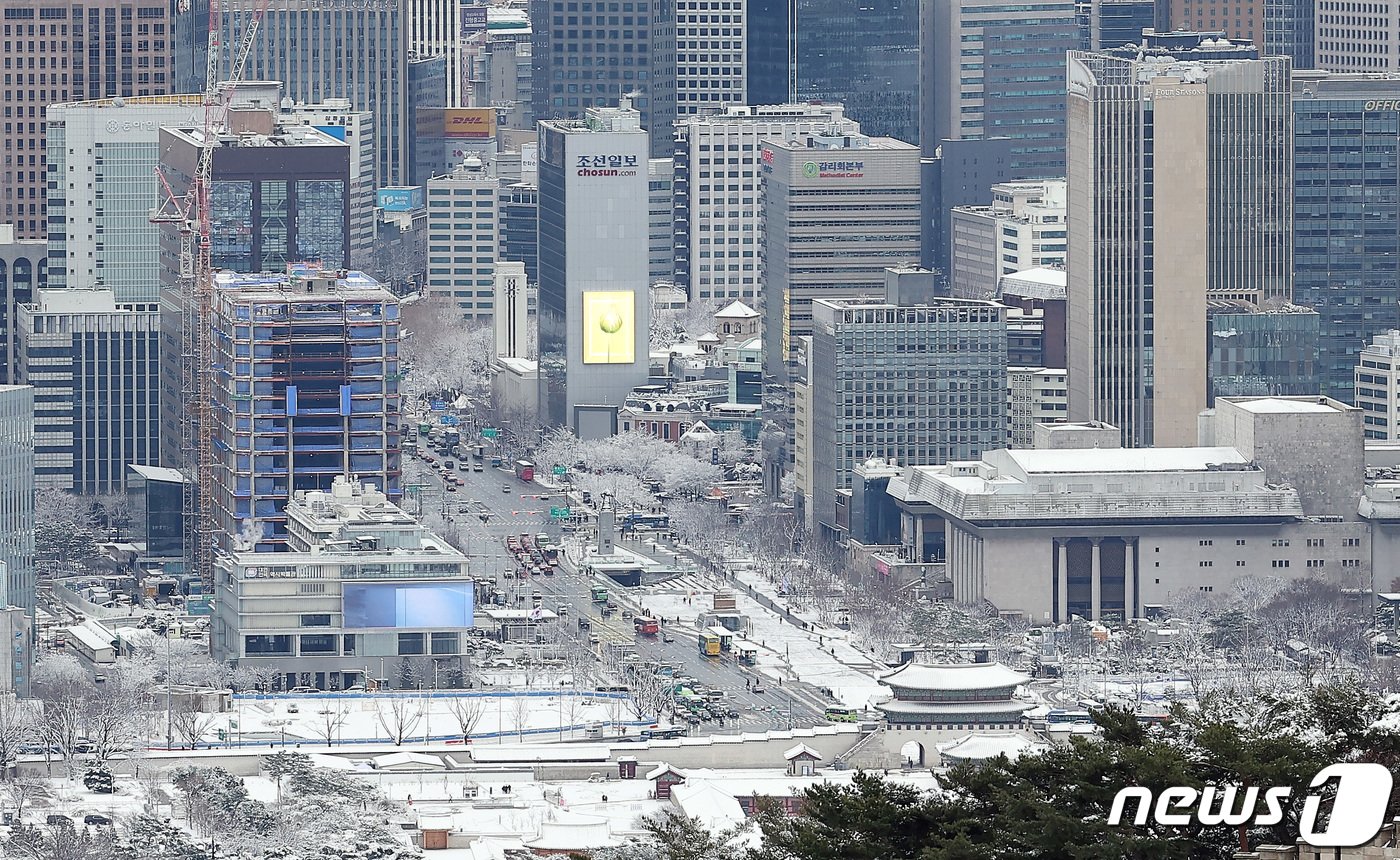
(709, 645)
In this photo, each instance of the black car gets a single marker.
(99, 820)
(732, 713)
(59, 819)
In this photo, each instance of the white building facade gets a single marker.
(1035, 395)
(718, 214)
(1378, 386)
(710, 55)
(1024, 228)
(464, 237)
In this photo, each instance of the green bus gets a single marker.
(600, 594)
(838, 714)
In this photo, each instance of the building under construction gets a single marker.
(305, 388)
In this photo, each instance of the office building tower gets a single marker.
(70, 52)
(1035, 395)
(959, 173)
(718, 210)
(512, 311)
(1236, 19)
(464, 238)
(17, 495)
(1024, 228)
(445, 137)
(661, 174)
(430, 144)
(863, 56)
(1268, 351)
(709, 56)
(1348, 232)
(279, 194)
(23, 269)
(339, 119)
(520, 238)
(357, 50)
(17, 632)
(94, 365)
(584, 58)
(102, 159)
(594, 308)
(362, 589)
(502, 70)
(1143, 261)
(1035, 317)
(1378, 386)
(992, 70)
(948, 400)
(1290, 28)
(1113, 23)
(436, 28)
(837, 211)
(323, 385)
(1350, 37)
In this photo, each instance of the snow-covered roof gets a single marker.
(980, 746)
(706, 803)
(527, 753)
(708, 337)
(573, 832)
(157, 473)
(736, 310)
(1003, 709)
(698, 430)
(409, 760)
(802, 749)
(954, 676)
(1282, 405)
(662, 768)
(1112, 460)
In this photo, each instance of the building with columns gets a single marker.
(1081, 526)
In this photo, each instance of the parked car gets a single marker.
(300, 691)
(59, 819)
(99, 820)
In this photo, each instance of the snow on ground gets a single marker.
(377, 718)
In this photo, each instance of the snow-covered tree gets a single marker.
(147, 837)
(99, 780)
(65, 533)
(467, 711)
(400, 716)
(19, 726)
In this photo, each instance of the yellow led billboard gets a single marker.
(609, 333)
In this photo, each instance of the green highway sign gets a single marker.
(489, 432)
(561, 470)
(558, 513)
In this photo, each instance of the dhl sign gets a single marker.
(475, 123)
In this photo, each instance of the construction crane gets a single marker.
(189, 213)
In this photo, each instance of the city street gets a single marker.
(521, 512)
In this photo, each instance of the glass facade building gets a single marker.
(17, 495)
(1346, 149)
(319, 49)
(1262, 352)
(993, 69)
(156, 499)
(1289, 31)
(918, 384)
(95, 370)
(862, 55)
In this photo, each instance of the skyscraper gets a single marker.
(436, 28)
(718, 217)
(594, 304)
(70, 52)
(594, 53)
(1205, 191)
(862, 55)
(916, 383)
(993, 70)
(1114, 23)
(324, 388)
(94, 365)
(23, 269)
(837, 211)
(1346, 126)
(17, 495)
(102, 159)
(319, 49)
(709, 55)
(1290, 31)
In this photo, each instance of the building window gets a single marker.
(1315, 562)
(1351, 541)
(1315, 542)
(349, 649)
(1207, 588)
(1279, 562)
(319, 643)
(410, 643)
(1207, 543)
(1280, 542)
(321, 620)
(445, 643)
(1207, 564)
(268, 646)
(1239, 542)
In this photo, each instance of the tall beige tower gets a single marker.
(1180, 190)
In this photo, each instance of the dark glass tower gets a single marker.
(863, 55)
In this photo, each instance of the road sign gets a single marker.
(559, 513)
(451, 421)
(561, 470)
(438, 406)
(489, 432)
